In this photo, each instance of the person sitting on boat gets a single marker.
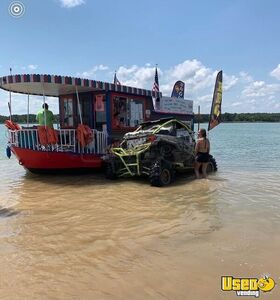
(45, 115)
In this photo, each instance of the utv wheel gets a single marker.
(109, 172)
(161, 174)
(212, 165)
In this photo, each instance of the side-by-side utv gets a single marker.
(156, 149)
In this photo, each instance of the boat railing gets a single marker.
(28, 138)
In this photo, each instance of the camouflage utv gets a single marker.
(156, 149)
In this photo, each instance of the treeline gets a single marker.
(242, 117)
(202, 118)
(22, 119)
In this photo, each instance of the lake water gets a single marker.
(82, 237)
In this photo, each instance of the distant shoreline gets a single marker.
(202, 118)
(241, 122)
(242, 118)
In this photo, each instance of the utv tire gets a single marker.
(161, 174)
(109, 172)
(212, 165)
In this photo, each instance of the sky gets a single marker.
(189, 40)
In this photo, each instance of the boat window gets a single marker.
(136, 112)
(100, 112)
(86, 107)
(127, 112)
(68, 120)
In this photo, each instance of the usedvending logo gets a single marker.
(247, 286)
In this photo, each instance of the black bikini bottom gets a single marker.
(202, 157)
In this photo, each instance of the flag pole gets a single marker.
(27, 120)
(79, 106)
(44, 100)
(10, 102)
(116, 80)
(198, 118)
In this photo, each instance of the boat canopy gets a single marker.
(55, 85)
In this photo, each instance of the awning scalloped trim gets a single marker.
(74, 81)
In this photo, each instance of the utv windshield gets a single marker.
(148, 127)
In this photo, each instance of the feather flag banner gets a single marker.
(178, 90)
(216, 109)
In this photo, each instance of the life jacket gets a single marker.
(52, 136)
(47, 135)
(42, 134)
(12, 125)
(84, 135)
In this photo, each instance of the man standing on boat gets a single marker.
(45, 115)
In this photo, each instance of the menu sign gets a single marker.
(174, 105)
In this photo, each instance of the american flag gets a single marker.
(116, 80)
(156, 84)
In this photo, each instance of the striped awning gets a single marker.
(55, 85)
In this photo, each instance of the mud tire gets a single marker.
(161, 174)
(109, 172)
(212, 165)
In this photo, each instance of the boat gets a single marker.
(110, 110)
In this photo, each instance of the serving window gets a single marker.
(127, 112)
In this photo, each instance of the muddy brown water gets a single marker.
(83, 237)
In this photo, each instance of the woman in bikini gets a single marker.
(202, 150)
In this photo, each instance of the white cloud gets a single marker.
(236, 103)
(32, 67)
(229, 81)
(71, 3)
(260, 89)
(244, 76)
(92, 72)
(166, 89)
(189, 69)
(205, 98)
(199, 80)
(276, 72)
(127, 71)
(252, 101)
(196, 76)
(242, 93)
(142, 77)
(19, 103)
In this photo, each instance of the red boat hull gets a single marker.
(51, 161)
